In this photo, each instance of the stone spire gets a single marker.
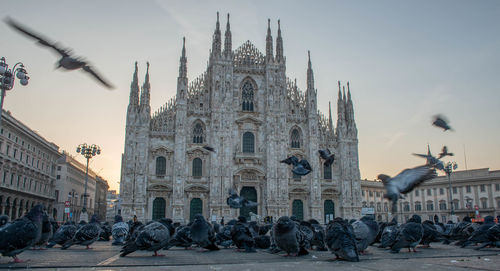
(350, 113)
(145, 94)
(279, 45)
(330, 121)
(228, 39)
(340, 113)
(269, 42)
(216, 43)
(134, 89)
(183, 60)
(310, 74)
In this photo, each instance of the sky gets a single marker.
(405, 60)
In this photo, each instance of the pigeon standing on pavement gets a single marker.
(492, 237)
(237, 202)
(22, 233)
(431, 234)
(389, 235)
(327, 156)
(119, 231)
(241, 235)
(152, 237)
(441, 122)
(202, 233)
(409, 236)
(300, 168)
(405, 182)
(480, 235)
(63, 234)
(85, 235)
(181, 237)
(340, 240)
(365, 232)
(67, 61)
(106, 232)
(288, 237)
(46, 232)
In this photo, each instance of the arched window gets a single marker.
(197, 167)
(329, 207)
(247, 97)
(198, 133)
(161, 166)
(158, 208)
(327, 172)
(295, 139)
(250, 194)
(442, 205)
(298, 209)
(430, 206)
(248, 142)
(406, 207)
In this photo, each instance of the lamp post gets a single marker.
(8, 76)
(449, 167)
(88, 151)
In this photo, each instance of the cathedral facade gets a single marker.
(247, 109)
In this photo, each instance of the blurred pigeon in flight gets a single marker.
(327, 156)
(237, 202)
(67, 61)
(208, 148)
(300, 168)
(441, 122)
(405, 182)
(431, 160)
(444, 152)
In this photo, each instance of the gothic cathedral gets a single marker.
(247, 109)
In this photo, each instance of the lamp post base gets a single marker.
(84, 216)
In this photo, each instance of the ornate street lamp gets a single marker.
(449, 168)
(8, 76)
(88, 151)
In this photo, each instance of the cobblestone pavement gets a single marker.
(105, 257)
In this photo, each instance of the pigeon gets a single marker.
(4, 219)
(480, 235)
(105, 233)
(224, 237)
(208, 148)
(492, 237)
(431, 160)
(237, 202)
(181, 237)
(242, 236)
(389, 235)
(202, 233)
(441, 122)
(67, 61)
(300, 168)
(365, 232)
(307, 231)
(133, 226)
(63, 234)
(327, 156)
(405, 182)
(46, 232)
(86, 234)
(340, 240)
(431, 233)
(288, 237)
(119, 231)
(318, 240)
(152, 237)
(444, 152)
(262, 241)
(409, 236)
(22, 233)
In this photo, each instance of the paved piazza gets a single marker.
(105, 257)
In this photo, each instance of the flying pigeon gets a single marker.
(409, 236)
(441, 122)
(431, 160)
(237, 202)
(405, 182)
(67, 61)
(63, 234)
(152, 237)
(288, 237)
(202, 233)
(119, 231)
(86, 234)
(22, 233)
(327, 156)
(444, 152)
(340, 240)
(300, 168)
(208, 148)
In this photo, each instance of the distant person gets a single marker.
(222, 221)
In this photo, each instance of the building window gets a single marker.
(467, 188)
(429, 192)
(197, 167)
(58, 177)
(327, 172)
(416, 193)
(247, 97)
(497, 187)
(441, 191)
(484, 203)
(58, 167)
(498, 202)
(406, 207)
(295, 139)
(379, 207)
(161, 166)
(442, 205)
(418, 206)
(198, 133)
(11, 178)
(370, 193)
(455, 204)
(454, 190)
(430, 206)
(363, 192)
(377, 194)
(482, 187)
(386, 207)
(24, 183)
(248, 142)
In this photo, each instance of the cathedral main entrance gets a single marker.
(250, 194)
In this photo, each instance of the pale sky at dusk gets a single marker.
(405, 60)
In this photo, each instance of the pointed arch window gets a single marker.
(327, 172)
(248, 142)
(198, 133)
(295, 139)
(247, 93)
(161, 166)
(197, 167)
